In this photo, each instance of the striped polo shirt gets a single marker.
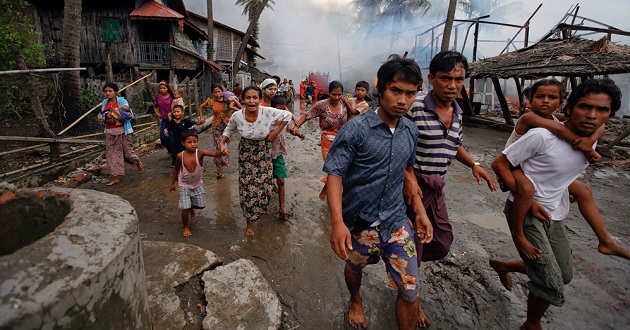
(437, 145)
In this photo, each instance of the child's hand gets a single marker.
(539, 211)
(166, 131)
(224, 150)
(201, 121)
(172, 187)
(592, 156)
(583, 144)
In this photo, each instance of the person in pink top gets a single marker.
(187, 171)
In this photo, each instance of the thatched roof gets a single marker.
(572, 57)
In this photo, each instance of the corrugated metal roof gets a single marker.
(154, 10)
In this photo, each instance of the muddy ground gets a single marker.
(459, 292)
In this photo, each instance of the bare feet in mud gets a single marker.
(613, 249)
(249, 231)
(283, 215)
(356, 317)
(504, 275)
(140, 168)
(526, 248)
(186, 232)
(113, 181)
(423, 320)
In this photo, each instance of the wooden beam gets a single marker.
(504, 106)
(521, 98)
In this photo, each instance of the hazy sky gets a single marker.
(301, 35)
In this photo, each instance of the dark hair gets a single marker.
(277, 79)
(278, 100)
(547, 82)
(189, 132)
(178, 106)
(363, 84)
(213, 86)
(595, 86)
(445, 61)
(402, 68)
(252, 87)
(168, 88)
(334, 85)
(236, 85)
(112, 86)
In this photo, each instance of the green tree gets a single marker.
(253, 9)
(17, 29)
(249, 9)
(388, 15)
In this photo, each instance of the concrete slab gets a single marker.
(239, 297)
(169, 265)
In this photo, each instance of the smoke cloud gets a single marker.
(319, 35)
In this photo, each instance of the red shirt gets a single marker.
(111, 104)
(238, 91)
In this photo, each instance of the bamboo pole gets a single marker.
(40, 139)
(98, 105)
(23, 149)
(8, 152)
(42, 70)
(51, 166)
(24, 169)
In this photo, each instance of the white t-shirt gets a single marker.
(284, 87)
(551, 164)
(259, 129)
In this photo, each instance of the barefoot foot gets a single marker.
(284, 215)
(423, 320)
(186, 232)
(526, 248)
(356, 317)
(614, 249)
(140, 168)
(113, 181)
(504, 276)
(249, 231)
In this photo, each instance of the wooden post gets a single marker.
(108, 65)
(618, 139)
(504, 106)
(467, 108)
(521, 100)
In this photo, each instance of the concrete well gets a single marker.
(70, 259)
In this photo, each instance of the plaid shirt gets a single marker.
(371, 161)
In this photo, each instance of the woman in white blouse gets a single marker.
(253, 123)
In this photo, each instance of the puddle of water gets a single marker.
(492, 221)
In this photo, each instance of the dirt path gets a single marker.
(459, 292)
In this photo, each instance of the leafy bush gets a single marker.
(89, 99)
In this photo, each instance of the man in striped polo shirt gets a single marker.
(439, 119)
